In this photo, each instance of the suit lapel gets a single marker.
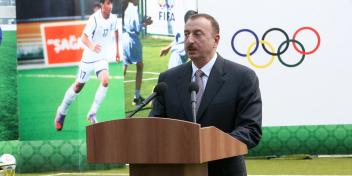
(182, 87)
(214, 83)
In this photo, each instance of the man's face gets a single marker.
(200, 40)
(106, 8)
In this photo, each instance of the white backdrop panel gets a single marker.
(316, 92)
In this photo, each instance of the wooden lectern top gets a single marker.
(158, 140)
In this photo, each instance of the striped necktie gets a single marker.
(198, 78)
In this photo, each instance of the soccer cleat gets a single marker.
(92, 118)
(137, 101)
(59, 121)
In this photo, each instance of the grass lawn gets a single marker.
(281, 166)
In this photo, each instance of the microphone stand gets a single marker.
(194, 102)
(193, 88)
(158, 90)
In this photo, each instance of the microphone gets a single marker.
(193, 88)
(159, 89)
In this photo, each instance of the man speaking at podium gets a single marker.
(228, 95)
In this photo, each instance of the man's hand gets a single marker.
(147, 21)
(94, 47)
(118, 59)
(164, 51)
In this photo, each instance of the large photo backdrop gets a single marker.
(30, 94)
(49, 51)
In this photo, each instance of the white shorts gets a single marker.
(86, 68)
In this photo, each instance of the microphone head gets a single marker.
(193, 87)
(160, 88)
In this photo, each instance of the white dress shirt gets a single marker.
(205, 69)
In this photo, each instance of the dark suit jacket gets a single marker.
(231, 102)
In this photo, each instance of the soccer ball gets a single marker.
(7, 165)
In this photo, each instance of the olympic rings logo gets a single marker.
(281, 49)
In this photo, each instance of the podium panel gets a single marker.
(160, 146)
(169, 169)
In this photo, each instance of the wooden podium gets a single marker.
(160, 146)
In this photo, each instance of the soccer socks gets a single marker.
(69, 97)
(99, 97)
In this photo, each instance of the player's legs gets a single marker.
(132, 54)
(139, 66)
(125, 67)
(82, 77)
(103, 75)
(127, 50)
(71, 94)
(139, 76)
(69, 97)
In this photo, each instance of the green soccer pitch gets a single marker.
(41, 91)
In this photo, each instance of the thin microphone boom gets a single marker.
(193, 88)
(158, 90)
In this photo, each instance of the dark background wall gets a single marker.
(43, 10)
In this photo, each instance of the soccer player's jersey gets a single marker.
(132, 47)
(132, 23)
(178, 43)
(101, 31)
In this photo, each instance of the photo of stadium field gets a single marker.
(41, 91)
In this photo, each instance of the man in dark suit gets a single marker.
(230, 97)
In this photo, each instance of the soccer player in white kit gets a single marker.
(100, 37)
(178, 53)
(131, 43)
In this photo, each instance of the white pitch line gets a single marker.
(62, 76)
(146, 79)
(152, 73)
(89, 173)
(126, 174)
(74, 76)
